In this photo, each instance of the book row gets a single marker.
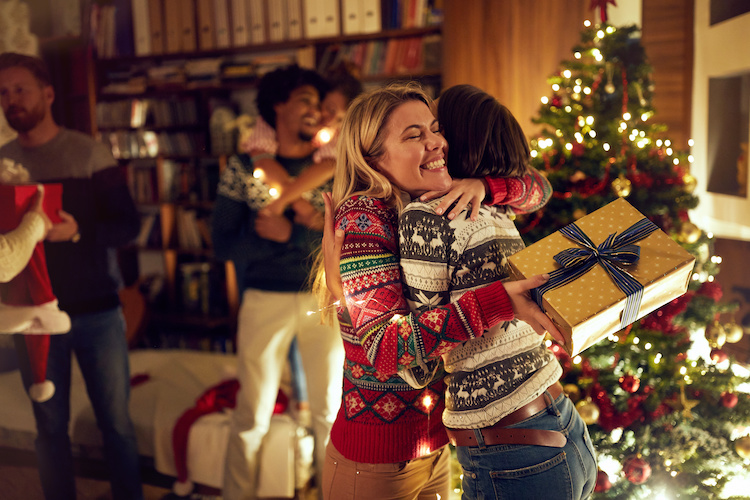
(153, 27)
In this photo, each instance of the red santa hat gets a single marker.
(27, 303)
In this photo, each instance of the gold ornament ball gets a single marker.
(573, 392)
(588, 411)
(742, 447)
(622, 186)
(716, 335)
(690, 182)
(734, 332)
(689, 233)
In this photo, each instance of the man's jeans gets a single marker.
(99, 343)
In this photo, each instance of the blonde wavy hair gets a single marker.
(360, 147)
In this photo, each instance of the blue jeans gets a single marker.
(98, 341)
(521, 472)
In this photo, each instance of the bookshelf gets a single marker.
(171, 113)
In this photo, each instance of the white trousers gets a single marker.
(267, 323)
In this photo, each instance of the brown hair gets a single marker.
(484, 138)
(35, 65)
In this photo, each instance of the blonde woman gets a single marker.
(388, 441)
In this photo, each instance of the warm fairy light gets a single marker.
(544, 99)
(589, 120)
(691, 158)
(325, 135)
(710, 278)
(696, 276)
(626, 116)
(579, 81)
(676, 161)
(658, 142)
(567, 73)
(587, 23)
(427, 402)
(691, 143)
(644, 117)
(579, 137)
(657, 358)
(605, 146)
(581, 121)
(600, 34)
(667, 143)
(647, 346)
(273, 192)
(710, 235)
(568, 109)
(587, 90)
(258, 173)
(555, 87)
(577, 360)
(577, 89)
(558, 133)
(683, 370)
(610, 30)
(668, 151)
(642, 143)
(716, 259)
(636, 340)
(534, 154)
(577, 55)
(569, 146)
(592, 133)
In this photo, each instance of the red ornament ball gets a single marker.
(630, 383)
(728, 399)
(718, 356)
(636, 470)
(602, 482)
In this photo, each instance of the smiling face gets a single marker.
(25, 102)
(414, 150)
(300, 114)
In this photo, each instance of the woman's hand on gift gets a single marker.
(527, 310)
(462, 192)
(37, 207)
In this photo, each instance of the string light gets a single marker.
(555, 87)
(258, 173)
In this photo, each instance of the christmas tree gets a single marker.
(666, 406)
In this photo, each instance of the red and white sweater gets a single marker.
(383, 419)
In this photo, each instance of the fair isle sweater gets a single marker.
(441, 260)
(382, 419)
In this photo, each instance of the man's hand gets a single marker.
(527, 310)
(65, 230)
(333, 240)
(462, 192)
(273, 227)
(36, 206)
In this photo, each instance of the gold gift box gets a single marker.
(589, 308)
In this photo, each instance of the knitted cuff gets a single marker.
(498, 187)
(495, 304)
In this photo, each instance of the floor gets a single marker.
(22, 483)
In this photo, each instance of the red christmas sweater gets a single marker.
(383, 419)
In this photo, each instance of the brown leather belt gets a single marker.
(499, 434)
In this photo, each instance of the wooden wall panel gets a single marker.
(509, 47)
(667, 36)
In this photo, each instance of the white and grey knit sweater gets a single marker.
(441, 259)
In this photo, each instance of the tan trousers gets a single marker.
(424, 478)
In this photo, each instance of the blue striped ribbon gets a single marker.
(613, 252)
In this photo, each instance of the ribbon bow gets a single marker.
(613, 252)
